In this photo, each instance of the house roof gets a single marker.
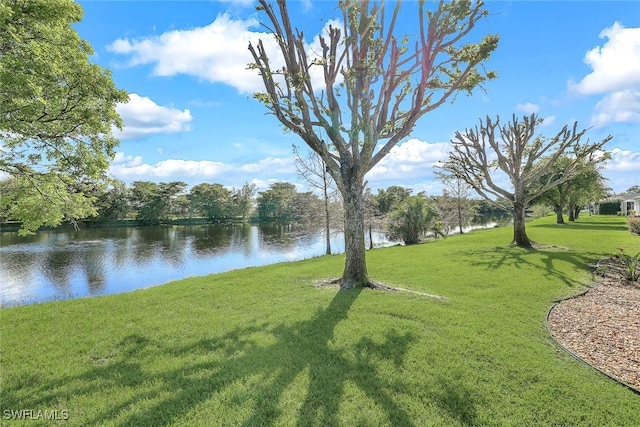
(622, 198)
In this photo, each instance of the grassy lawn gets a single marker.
(262, 346)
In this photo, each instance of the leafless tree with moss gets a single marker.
(373, 218)
(313, 170)
(376, 86)
(516, 150)
(454, 204)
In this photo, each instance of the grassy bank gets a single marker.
(262, 346)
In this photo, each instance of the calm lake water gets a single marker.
(62, 264)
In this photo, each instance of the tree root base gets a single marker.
(372, 284)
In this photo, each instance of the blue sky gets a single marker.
(191, 116)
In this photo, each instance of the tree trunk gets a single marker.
(355, 269)
(572, 215)
(459, 215)
(327, 216)
(519, 232)
(558, 211)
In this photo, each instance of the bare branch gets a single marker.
(522, 156)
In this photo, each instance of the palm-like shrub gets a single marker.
(630, 263)
(411, 219)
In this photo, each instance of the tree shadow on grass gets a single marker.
(518, 258)
(458, 402)
(254, 368)
(584, 226)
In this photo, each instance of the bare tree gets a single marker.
(454, 201)
(313, 170)
(243, 199)
(516, 150)
(375, 89)
(373, 217)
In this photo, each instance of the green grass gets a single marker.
(262, 346)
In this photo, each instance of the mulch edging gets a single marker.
(600, 327)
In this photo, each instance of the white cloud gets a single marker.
(243, 3)
(548, 121)
(528, 107)
(624, 161)
(142, 117)
(623, 106)
(204, 104)
(128, 168)
(623, 170)
(217, 53)
(531, 108)
(271, 164)
(171, 168)
(411, 160)
(615, 65)
(129, 161)
(263, 184)
(616, 74)
(307, 5)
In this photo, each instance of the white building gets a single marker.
(630, 205)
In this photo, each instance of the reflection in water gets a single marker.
(93, 267)
(57, 267)
(63, 264)
(208, 240)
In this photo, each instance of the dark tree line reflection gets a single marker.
(61, 264)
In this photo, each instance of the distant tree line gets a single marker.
(395, 210)
(154, 203)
